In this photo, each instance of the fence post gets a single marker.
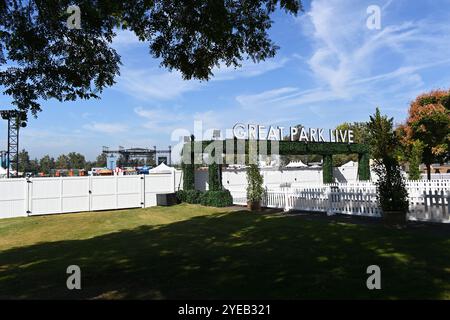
(286, 200)
(330, 202)
(142, 179)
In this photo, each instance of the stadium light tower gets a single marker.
(16, 119)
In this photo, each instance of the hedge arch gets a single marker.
(325, 149)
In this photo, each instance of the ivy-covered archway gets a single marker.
(325, 149)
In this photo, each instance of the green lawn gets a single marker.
(189, 251)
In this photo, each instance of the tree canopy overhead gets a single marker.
(41, 58)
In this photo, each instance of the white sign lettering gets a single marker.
(260, 132)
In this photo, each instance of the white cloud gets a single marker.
(149, 85)
(158, 84)
(248, 69)
(351, 62)
(103, 127)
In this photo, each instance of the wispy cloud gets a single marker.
(157, 84)
(350, 62)
(154, 84)
(103, 127)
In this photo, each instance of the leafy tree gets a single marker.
(428, 123)
(46, 59)
(76, 160)
(101, 160)
(62, 162)
(34, 166)
(24, 164)
(46, 164)
(391, 191)
(415, 160)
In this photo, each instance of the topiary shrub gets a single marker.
(221, 198)
(193, 196)
(391, 191)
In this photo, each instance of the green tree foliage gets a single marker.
(391, 191)
(24, 164)
(415, 160)
(62, 162)
(76, 160)
(49, 60)
(101, 160)
(46, 164)
(255, 189)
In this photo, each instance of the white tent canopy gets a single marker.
(3, 171)
(296, 164)
(349, 164)
(162, 168)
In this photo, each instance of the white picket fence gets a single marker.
(38, 196)
(428, 200)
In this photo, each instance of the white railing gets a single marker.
(428, 200)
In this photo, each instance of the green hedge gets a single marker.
(189, 196)
(214, 177)
(221, 198)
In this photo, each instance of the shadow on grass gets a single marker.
(235, 255)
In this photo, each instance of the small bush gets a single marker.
(220, 198)
(193, 196)
(181, 196)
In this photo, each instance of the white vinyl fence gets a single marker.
(38, 196)
(428, 200)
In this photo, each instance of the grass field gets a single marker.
(188, 252)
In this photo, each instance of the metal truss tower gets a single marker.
(16, 119)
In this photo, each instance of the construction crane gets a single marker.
(16, 120)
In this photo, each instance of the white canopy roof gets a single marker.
(296, 164)
(2, 170)
(162, 168)
(349, 164)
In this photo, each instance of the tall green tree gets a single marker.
(76, 160)
(24, 163)
(101, 160)
(45, 59)
(46, 164)
(62, 162)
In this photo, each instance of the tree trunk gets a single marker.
(428, 171)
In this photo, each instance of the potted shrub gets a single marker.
(391, 191)
(255, 190)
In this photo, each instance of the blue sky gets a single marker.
(330, 69)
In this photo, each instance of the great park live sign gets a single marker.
(277, 133)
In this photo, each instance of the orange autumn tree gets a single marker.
(426, 133)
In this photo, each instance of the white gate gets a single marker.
(58, 195)
(13, 198)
